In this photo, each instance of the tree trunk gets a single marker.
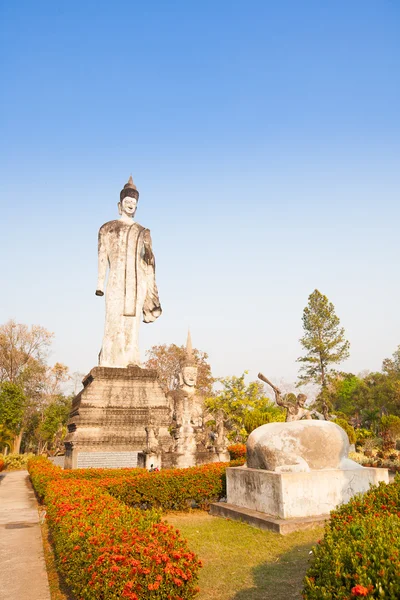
(17, 442)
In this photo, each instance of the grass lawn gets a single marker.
(244, 563)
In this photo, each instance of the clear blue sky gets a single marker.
(264, 139)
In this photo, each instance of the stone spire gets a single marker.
(189, 357)
(189, 347)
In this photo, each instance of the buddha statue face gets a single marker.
(189, 375)
(127, 206)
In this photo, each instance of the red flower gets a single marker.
(359, 590)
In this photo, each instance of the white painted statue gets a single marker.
(131, 294)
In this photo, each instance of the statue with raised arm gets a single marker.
(294, 411)
(131, 293)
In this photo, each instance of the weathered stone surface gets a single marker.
(299, 446)
(264, 521)
(125, 249)
(290, 495)
(194, 443)
(109, 460)
(119, 410)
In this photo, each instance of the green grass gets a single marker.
(244, 563)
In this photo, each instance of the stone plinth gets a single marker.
(120, 418)
(291, 495)
(263, 521)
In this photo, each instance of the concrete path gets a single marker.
(23, 573)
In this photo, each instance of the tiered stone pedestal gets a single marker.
(109, 418)
(287, 502)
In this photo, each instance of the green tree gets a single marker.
(12, 407)
(166, 359)
(52, 429)
(244, 406)
(347, 393)
(390, 427)
(391, 366)
(371, 418)
(6, 439)
(323, 340)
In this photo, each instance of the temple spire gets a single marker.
(189, 347)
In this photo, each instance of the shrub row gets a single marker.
(360, 552)
(170, 489)
(106, 550)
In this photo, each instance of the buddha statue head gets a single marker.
(188, 374)
(128, 199)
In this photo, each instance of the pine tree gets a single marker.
(324, 340)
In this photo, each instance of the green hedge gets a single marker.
(106, 550)
(360, 552)
(170, 489)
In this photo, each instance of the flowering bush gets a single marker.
(237, 451)
(107, 550)
(170, 489)
(360, 552)
(2, 464)
(14, 462)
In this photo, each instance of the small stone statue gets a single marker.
(125, 248)
(295, 411)
(183, 397)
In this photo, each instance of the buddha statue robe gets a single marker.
(131, 291)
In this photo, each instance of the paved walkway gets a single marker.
(23, 573)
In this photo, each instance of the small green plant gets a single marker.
(15, 462)
(348, 429)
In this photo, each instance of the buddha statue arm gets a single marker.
(148, 255)
(102, 264)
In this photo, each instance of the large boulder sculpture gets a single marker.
(299, 446)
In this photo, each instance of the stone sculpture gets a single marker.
(193, 440)
(295, 411)
(297, 469)
(299, 446)
(125, 247)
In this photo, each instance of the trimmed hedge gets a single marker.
(106, 550)
(170, 489)
(360, 552)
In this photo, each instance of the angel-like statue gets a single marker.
(294, 411)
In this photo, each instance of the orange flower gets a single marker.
(359, 590)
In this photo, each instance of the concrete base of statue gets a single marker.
(294, 495)
(120, 419)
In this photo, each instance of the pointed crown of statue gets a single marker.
(188, 361)
(130, 190)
